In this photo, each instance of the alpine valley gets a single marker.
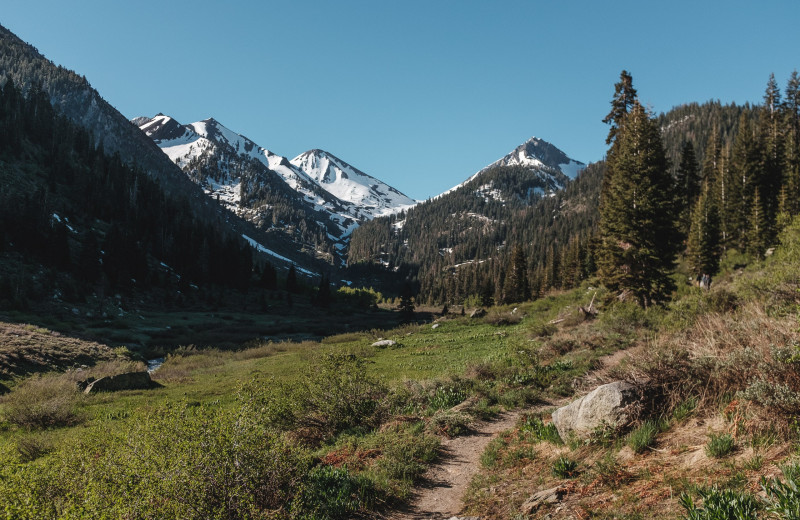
(193, 326)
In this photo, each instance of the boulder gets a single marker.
(478, 313)
(127, 381)
(547, 496)
(435, 326)
(614, 405)
(384, 343)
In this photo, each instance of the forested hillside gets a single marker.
(76, 221)
(460, 245)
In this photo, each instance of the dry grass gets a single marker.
(43, 401)
(720, 357)
(26, 349)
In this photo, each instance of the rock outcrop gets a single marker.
(128, 381)
(612, 405)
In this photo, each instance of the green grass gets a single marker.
(644, 436)
(273, 384)
(721, 445)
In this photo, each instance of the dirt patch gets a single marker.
(440, 495)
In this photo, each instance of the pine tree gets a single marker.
(406, 307)
(688, 183)
(771, 134)
(624, 98)
(638, 237)
(515, 288)
(291, 280)
(745, 168)
(792, 143)
(703, 244)
(756, 238)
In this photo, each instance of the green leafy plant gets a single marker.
(564, 467)
(544, 432)
(721, 505)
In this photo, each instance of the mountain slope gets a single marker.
(73, 96)
(317, 198)
(457, 243)
(552, 165)
(373, 197)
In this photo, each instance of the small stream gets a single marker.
(154, 364)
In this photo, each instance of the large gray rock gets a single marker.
(384, 343)
(127, 381)
(613, 405)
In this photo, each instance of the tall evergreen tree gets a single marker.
(792, 143)
(771, 134)
(638, 237)
(757, 239)
(703, 244)
(515, 288)
(621, 103)
(745, 165)
(688, 185)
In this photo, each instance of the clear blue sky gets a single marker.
(419, 93)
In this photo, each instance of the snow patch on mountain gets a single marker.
(330, 185)
(375, 198)
(539, 155)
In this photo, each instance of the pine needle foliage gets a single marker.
(638, 236)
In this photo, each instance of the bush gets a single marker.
(177, 461)
(333, 493)
(43, 402)
(449, 423)
(564, 467)
(719, 446)
(446, 397)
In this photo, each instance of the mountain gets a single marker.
(317, 197)
(552, 165)
(375, 198)
(71, 95)
(455, 244)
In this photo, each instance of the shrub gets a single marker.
(30, 448)
(719, 446)
(333, 493)
(449, 423)
(721, 505)
(446, 397)
(177, 461)
(43, 402)
(564, 467)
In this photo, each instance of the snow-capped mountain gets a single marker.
(348, 183)
(552, 165)
(331, 196)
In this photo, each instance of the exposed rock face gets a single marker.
(127, 381)
(614, 404)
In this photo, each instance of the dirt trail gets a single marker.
(440, 494)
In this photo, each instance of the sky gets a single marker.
(418, 93)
